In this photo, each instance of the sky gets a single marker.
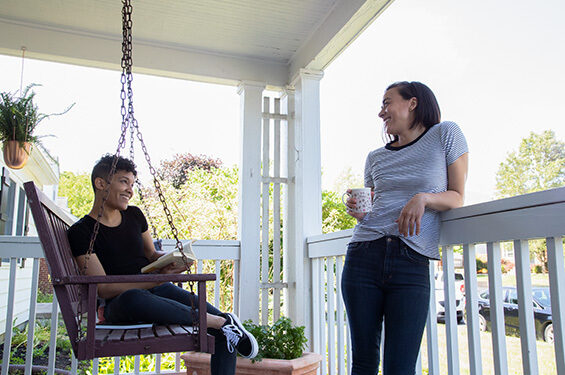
(496, 67)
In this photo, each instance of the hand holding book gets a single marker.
(172, 261)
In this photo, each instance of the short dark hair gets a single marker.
(427, 111)
(104, 165)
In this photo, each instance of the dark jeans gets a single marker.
(385, 279)
(169, 304)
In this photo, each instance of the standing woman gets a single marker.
(420, 172)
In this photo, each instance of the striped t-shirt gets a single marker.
(399, 173)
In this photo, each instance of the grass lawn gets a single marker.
(545, 352)
(509, 279)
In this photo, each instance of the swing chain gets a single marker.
(128, 120)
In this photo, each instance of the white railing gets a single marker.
(517, 219)
(16, 248)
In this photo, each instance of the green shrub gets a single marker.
(279, 341)
(481, 264)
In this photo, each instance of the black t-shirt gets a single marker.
(119, 249)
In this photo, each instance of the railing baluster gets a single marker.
(316, 306)
(431, 326)
(557, 291)
(277, 214)
(74, 365)
(450, 310)
(340, 324)
(53, 337)
(472, 308)
(331, 315)
(217, 271)
(496, 310)
(95, 363)
(31, 317)
(9, 316)
(116, 365)
(136, 365)
(323, 316)
(158, 363)
(525, 307)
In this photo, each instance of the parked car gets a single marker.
(459, 298)
(542, 311)
(459, 280)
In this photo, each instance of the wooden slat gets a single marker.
(103, 334)
(116, 335)
(177, 329)
(162, 331)
(131, 334)
(145, 333)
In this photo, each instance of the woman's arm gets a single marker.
(411, 215)
(94, 268)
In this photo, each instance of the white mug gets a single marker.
(363, 198)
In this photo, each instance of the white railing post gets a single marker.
(31, 317)
(472, 308)
(431, 326)
(249, 202)
(557, 291)
(496, 310)
(525, 307)
(304, 193)
(9, 317)
(450, 310)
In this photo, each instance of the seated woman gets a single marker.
(123, 246)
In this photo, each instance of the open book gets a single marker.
(172, 257)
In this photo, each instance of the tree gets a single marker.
(539, 164)
(77, 188)
(334, 214)
(175, 171)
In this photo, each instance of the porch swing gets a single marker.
(77, 293)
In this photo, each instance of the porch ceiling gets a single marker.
(222, 41)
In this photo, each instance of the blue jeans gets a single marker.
(386, 279)
(169, 304)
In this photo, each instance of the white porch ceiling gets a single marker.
(221, 41)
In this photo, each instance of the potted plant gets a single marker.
(281, 349)
(19, 117)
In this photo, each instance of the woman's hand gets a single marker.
(411, 215)
(352, 202)
(172, 268)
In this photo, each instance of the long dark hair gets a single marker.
(427, 111)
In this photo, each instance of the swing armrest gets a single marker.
(110, 279)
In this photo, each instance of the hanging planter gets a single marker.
(16, 155)
(19, 117)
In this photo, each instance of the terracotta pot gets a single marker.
(15, 156)
(199, 364)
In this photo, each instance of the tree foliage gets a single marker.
(77, 188)
(334, 214)
(538, 164)
(176, 170)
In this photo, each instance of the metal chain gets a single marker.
(129, 121)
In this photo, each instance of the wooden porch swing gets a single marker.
(77, 293)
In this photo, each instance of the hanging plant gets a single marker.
(19, 117)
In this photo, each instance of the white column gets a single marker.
(249, 198)
(304, 193)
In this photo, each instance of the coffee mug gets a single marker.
(363, 198)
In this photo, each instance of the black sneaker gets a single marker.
(238, 337)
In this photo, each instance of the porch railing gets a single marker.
(517, 219)
(17, 248)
